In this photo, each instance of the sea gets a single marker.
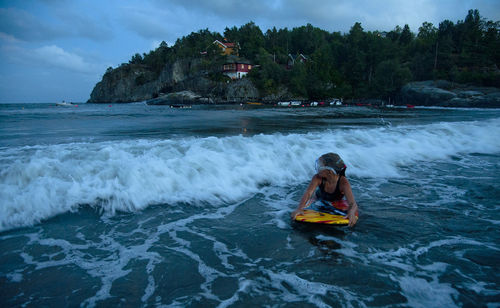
(131, 205)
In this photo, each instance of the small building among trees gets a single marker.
(236, 68)
(228, 48)
(292, 59)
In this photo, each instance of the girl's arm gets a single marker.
(307, 195)
(353, 206)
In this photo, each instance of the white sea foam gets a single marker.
(243, 285)
(423, 293)
(301, 289)
(39, 182)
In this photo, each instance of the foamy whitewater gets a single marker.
(141, 205)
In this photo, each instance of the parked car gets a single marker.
(336, 102)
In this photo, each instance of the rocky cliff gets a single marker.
(185, 81)
(131, 83)
(447, 94)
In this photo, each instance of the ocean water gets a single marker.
(135, 205)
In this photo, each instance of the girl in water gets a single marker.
(332, 186)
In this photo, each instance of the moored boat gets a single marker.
(284, 104)
(63, 103)
(180, 106)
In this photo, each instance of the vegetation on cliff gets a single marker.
(356, 64)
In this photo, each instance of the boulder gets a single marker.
(447, 94)
(176, 98)
(425, 93)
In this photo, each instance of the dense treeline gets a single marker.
(355, 64)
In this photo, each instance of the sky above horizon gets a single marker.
(54, 50)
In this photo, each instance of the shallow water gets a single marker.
(136, 205)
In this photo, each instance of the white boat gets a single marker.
(63, 103)
(314, 104)
(284, 104)
(295, 103)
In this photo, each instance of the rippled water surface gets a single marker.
(136, 205)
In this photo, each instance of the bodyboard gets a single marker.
(324, 212)
(316, 217)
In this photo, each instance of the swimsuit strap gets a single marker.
(337, 188)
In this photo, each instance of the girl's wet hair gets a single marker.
(331, 161)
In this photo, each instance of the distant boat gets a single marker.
(254, 103)
(180, 106)
(284, 104)
(63, 103)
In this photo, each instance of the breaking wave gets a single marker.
(39, 182)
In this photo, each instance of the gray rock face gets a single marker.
(131, 83)
(241, 90)
(447, 94)
(121, 85)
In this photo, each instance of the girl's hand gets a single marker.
(296, 212)
(351, 215)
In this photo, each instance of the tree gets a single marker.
(136, 59)
(355, 70)
(390, 76)
(298, 80)
(406, 36)
(250, 38)
(394, 34)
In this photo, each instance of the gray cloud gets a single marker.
(149, 23)
(96, 28)
(25, 26)
(226, 9)
(333, 15)
(48, 57)
(54, 56)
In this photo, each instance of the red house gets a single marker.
(236, 68)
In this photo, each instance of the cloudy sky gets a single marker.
(53, 50)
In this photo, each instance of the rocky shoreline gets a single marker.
(447, 94)
(185, 82)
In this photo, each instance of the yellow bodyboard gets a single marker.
(322, 218)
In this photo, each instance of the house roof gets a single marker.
(237, 60)
(225, 44)
(295, 57)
